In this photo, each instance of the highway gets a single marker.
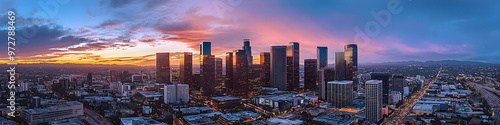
(397, 117)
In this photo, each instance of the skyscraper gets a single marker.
(112, 76)
(339, 93)
(293, 76)
(373, 100)
(397, 82)
(208, 76)
(126, 76)
(229, 71)
(265, 62)
(386, 88)
(207, 69)
(322, 53)
(351, 59)
(248, 50)
(163, 68)
(218, 72)
(321, 84)
(186, 68)
(278, 68)
(240, 73)
(310, 74)
(340, 67)
(205, 49)
(89, 78)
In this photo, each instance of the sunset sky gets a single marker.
(132, 31)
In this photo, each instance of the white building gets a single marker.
(373, 100)
(396, 96)
(177, 92)
(406, 91)
(67, 109)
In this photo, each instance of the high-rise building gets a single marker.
(218, 72)
(112, 76)
(278, 68)
(186, 68)
(397, 82)
(163, 68)
(329, 74)
(254, 78)
(322, 53)
(208, 75)
(89, 78)
(351, 60)
(339, 93)
(293, 74)
(321, 84)
(176, 92)
(126, 76)
(205, 49)
(340, 66)
(240, 73)
(248, 50)
(386, 88)
(265, 62)
(229, 71)
(310, 74)
(373, 100)
(207, 69)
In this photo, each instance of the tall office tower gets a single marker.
(278, 68)
(386, 88)
(218, 72)
(126, 76)
(397, 82)
(322, 53)
(373, 100)
(205, 49)
(208, 76)
(186, 68)
(196, 82)
(340, 67)
(293, 74)
(248, 50)
(112, 76)
(310, 74)
(89, 78)
(329, 74)
(240, 73)
(351, 59)
(339, 93)
(229, 71)
(254, 78)
(265, 62)
(321, 84)
(163, 68)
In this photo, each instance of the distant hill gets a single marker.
(447, 62)
(69, 65)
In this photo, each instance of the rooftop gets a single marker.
(140, 120)
(224, 98)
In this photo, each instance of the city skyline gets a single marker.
(113, 37)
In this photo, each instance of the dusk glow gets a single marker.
(110, 32)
